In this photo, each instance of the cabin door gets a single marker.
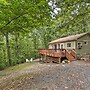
(62, 46)
(55, 47)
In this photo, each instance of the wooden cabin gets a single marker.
(72, 48)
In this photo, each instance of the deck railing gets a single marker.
(52, 52)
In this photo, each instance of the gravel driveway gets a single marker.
(51, 76)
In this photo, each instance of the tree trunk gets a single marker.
(84, 25)
(45, 41)
(45, 46)
(35, 45)
(16, 47)
(8, 49)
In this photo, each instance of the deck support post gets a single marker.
(59, 60)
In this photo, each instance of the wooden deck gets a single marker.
(51, 55)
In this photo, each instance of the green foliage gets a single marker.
(16, 68)
(18, 19)
(2, 65)
(23, 76)
(73, 18)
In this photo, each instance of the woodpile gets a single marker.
(86, 57)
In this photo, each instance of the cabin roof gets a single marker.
(68, 38)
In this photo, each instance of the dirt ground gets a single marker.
(49, 76)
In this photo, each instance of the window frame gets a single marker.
(79, 46)
(86, 42)
(69, 44)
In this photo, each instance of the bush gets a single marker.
(2, 66)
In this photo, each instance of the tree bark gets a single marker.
(8, 49)
(16, 47)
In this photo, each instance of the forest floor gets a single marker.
(47, 76)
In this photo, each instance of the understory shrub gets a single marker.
(2, 66)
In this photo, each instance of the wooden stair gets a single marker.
(71, 55)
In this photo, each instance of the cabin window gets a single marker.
(79, 45)
(68, 44)
(85, 42)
